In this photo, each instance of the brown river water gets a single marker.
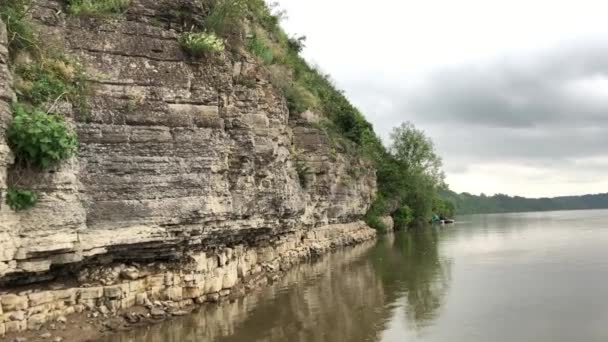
(508, 277)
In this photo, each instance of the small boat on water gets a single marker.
(441, 220)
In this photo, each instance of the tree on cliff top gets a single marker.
(416, 153)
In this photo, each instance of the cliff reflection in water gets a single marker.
(349, 295)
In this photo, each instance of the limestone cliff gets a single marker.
(177, 155)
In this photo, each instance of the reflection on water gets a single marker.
(350, 295)
(533, 277)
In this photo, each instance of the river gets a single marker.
(505, 277)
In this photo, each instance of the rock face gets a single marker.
(176, 156)
(8, 221)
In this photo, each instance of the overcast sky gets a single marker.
(514, 93)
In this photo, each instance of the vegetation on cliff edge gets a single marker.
(409, 172)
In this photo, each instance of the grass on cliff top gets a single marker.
(304, 86)
(97, 7)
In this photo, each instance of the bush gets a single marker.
(18, 199)
(262, 14)
(198, 44)
(21, 34)
(225, 15)
(375, 222)
(50, 80)
(97, 7)
(39, 85)
(373, 218)
(40, 139)
(299, 99)
(296, 44)
(403, 217)
(260, 49)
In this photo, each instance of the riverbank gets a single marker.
(117, 297)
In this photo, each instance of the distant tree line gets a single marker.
(466, 203)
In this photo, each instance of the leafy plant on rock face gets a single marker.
(198, 44)
(38, 84)
(40, 139)
(50, 79)
(20, 199)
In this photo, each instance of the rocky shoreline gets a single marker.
(120, 297)
(96, 323)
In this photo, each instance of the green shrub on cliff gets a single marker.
(51, 79)
(21, 199)
(40, 139)
(260, 49)
(97, 7)
(198, 44)
(38, 85)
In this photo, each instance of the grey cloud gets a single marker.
(514, 93)
(520, 110)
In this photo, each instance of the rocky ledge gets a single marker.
(166, 289)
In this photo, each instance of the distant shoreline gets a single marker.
(529, 211)
(466, 204)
